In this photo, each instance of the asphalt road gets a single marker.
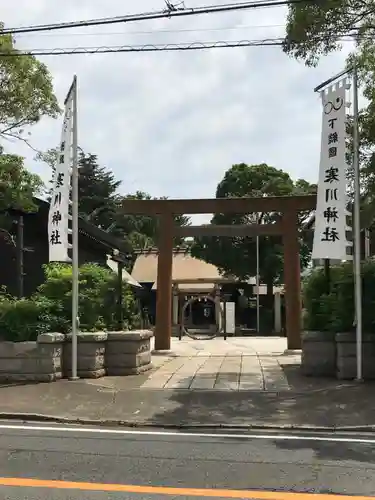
(43, 461)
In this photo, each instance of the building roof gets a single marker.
(185, 267)
(105, 239)
(125, 275)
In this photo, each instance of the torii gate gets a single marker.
(288, 206)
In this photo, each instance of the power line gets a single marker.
(155, 32)
(170, 47)
(147, 16)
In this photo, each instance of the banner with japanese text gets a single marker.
(330, 241)
(58, 219)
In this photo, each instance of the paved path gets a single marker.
(65, 463)
(241, 382)
(235, 364)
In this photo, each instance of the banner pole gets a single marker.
(75, 261)
(357, 228)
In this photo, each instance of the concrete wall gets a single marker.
(99, 353)
(318, 354)
(39, 361)
(335, 355)
(90, 355)
(128, 353)
(346, 360)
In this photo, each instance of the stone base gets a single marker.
(128, 353)
(39, 361)
(118, 372)
(29, 377)
(87, 374)
(347, 356)
(90, 355)
(318, 354)
(50, 357)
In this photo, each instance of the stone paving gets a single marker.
(239, 382)
(235, 364)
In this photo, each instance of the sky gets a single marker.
(171, 124)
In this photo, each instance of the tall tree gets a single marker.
(316, 28)
(142, 230)
(17, 188)
(98, 199)
(26, 91)
(100, 203)
(97, 187)
(237, 256)
(17, 185)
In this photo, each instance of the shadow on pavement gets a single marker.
(344, 452)
(341, 404)
(307, 402)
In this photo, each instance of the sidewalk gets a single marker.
(236, 364)
(244, 382)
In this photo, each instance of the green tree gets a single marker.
(26, 91)
(98, 199)
(237, 256)
(17, 185)
(100, 203)
(314, 29)
(141, 230)
(97, 188)
(17, 188)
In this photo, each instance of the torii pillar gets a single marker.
(292, 279)
(163, 327)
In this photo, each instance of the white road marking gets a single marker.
(136, 432)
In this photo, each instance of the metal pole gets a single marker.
(75, 263)
(327, 273)
(367, 243)
(257, 283)
(357, 228)
(20, 251)
(120, 318)
(332, 79)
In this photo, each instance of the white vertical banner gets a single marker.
(330, 217)
(58, 218)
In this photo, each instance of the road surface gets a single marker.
(46, 461)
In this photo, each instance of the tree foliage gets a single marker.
(97, 191)
(26, 90)
(330, 306)
(237, 256)
(17, 184)
(316, 28)
(100, 203)
(17, 188)
(50, 308)
(142, 230)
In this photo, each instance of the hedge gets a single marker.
(50, 308)
(331, 306)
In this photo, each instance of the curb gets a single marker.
(35, 418)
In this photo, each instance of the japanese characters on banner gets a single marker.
(58, 219)
(330, 240)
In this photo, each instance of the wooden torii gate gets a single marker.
(287, 206)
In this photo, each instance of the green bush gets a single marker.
(97, 297)
(25, 319)
(4, 295)
(333, 308)
(50, 308)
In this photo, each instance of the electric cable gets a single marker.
(147, 16)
